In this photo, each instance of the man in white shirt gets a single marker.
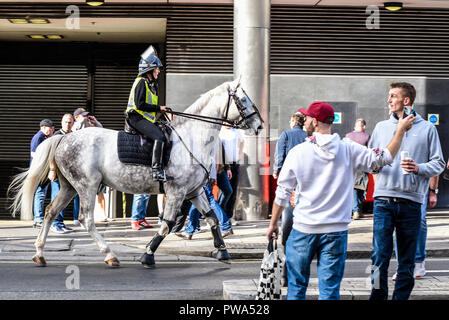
(321, 168)
(232, 142)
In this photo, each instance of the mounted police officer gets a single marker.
(143, 109)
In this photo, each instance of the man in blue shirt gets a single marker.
(288, 140)
(46, 129)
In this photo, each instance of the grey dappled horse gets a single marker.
(86, 158)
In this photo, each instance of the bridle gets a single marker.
(242, 105)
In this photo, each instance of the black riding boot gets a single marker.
(158, 153)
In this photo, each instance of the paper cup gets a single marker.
(405, 156)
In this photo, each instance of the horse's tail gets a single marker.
(25, 183)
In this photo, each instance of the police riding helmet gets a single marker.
(149, 61)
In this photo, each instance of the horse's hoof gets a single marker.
(147, 261)
(40, 261)
(223, 256)
(113, 262)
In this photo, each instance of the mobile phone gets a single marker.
(407, 110)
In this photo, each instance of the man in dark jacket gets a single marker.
(288, 140)
(46, 130)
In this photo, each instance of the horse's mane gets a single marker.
(201, 102)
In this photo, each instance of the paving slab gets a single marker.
(248, 242)
(351, 289)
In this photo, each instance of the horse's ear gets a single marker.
(234, 84)
(238, 81)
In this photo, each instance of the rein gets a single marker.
(237, 124)
(213, 120)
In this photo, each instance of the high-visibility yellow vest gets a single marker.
(150, 116)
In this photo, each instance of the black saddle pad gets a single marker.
(132, 149)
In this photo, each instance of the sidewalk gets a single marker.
(248, 242)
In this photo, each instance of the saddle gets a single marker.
(135, 148)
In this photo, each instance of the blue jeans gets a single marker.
(229, 209)
(357, 201)
(388, 217)
(194, 214)
(422, 235)
(194, 220)
(38, 203)
(55, 187)
(139, 208)
(330, 249)
(76, 207)
(224, 185)
(54, 191)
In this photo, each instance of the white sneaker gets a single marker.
(76, 223)
(420, 269)
(206, 227)
(233, 222)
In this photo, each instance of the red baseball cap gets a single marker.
(321, 111)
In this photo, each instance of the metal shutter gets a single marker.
(336, 41)
(29, 94)
(27, 91)
(200, 40)
(112, 87)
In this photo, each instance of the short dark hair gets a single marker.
(407, 88)
(46, 123)
(299, 119)
(361, 120)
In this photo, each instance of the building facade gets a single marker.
(343, 54)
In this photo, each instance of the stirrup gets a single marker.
(160, 175)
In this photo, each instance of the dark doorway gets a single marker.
(348, 112)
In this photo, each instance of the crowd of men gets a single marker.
(404, 155)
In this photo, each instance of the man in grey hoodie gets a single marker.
(320, 169)
(399, 192)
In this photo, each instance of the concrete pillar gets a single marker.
(251, 63)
